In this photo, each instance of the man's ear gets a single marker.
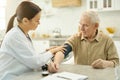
(96, 25)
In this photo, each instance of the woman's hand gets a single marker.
(53, 67)
(51, 48)
(54, 50)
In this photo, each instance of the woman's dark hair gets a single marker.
(26, 9)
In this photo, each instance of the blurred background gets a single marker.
(65, 14)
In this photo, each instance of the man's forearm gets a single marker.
(58, 58)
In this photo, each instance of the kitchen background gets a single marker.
(59, 21)
(67, 18)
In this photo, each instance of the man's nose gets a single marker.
(82, 27)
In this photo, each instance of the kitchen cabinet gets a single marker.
(117, 4)
(57, 41)
(65, 3)
(103, 5)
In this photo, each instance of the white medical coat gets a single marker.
(17, 55)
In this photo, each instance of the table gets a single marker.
(93, 74)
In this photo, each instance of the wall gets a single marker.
(111, 18)
(10, 8)
(67, 18)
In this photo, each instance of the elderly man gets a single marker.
(89, 46)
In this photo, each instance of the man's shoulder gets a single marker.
(77, 35)
(73, 38)
(104, 36)
(13, 34)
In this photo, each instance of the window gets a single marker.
(2, 14)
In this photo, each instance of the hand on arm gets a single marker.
(51, 48)
(100, 64)
(54, 66)
(59, 56)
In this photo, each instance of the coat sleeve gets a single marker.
(22, 50)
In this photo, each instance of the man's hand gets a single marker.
(100, 64)
(53, 67)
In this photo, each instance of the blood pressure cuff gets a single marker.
(68, 49)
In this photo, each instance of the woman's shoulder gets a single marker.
(14, 33)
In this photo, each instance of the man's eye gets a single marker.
(86, 25)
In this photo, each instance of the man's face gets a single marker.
(87, 27)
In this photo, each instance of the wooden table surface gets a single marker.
(93, 74)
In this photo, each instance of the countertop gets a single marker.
(93, 74)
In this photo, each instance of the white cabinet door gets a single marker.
(93, 4)
(107, 5)
(101, 5)
(117, 4)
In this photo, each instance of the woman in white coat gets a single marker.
(17, 54)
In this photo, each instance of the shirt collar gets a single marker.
(97, 37)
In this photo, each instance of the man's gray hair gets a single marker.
(92, 15)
